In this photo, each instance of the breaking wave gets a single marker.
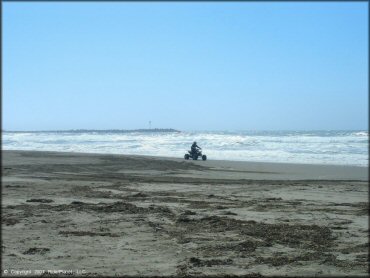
(316, 147)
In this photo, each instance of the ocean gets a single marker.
(312, 147)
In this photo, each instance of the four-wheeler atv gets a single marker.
(195, 155)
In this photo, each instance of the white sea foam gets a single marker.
(361, 133)
(318, 147)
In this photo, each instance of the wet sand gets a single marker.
(145, 216)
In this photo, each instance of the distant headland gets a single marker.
(146, 130)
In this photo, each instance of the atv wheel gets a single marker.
(186, 156)
(204, 157)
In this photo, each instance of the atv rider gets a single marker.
(195, 148)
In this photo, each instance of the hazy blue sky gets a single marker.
(189, 66)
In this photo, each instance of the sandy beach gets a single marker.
(108, 215)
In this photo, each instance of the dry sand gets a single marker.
(145, 216)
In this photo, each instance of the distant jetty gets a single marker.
(151, 130)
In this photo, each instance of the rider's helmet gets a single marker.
(194, 143)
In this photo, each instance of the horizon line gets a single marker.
(176, 130)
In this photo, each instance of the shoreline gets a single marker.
(256, 169)
(179, 158)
